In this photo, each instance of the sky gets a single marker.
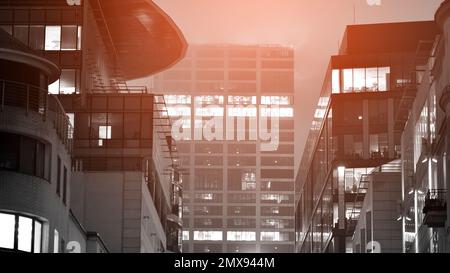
(313, 27)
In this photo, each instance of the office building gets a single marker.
(424, 210)
(238, 197)
(110, 183)
(357, 127)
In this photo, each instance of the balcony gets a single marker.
(32, 99)
(435, 208)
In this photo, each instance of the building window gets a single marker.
(68, 83)
(52, 37)
(104, 132)
(361, 79)
(37, 37)
(274, 236)
(276, 100)
(63, 38)
(69, 35)
(21, 34)
(23, 154)
(200, 235)
(241, 236)
(56, 242)
(65, 185)
(58, 177)
(336, 83)
(7, 28)
(20, 233)
(185, 235)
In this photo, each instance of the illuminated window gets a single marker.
(276, 100)
(104, 132)
(185, 235)
(372, 79)
(177, 99)
(209, 99)
(336, 82)
(200, 235)
(7, 227)
(56, 242)
(52, 37)
(79, 33)
(285, 112)
(20, 233)
(274, 198)
(359, 80)
(241, 236)
(249, 111)
(68, 83)
(383, 78)
(348, 80)
(209, 111)
(248, 181)
(242, 100)
(25, 233)
(176, 111)
(274, 236)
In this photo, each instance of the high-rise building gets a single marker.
(111, 183)
(348, 165)
(238, 196)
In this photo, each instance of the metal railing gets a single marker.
(37, 100)
(436, 199)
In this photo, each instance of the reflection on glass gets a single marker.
(56, 242)
(54, 88)
(359, 79)
(37, 37)
(69, 37)
(25, 234)
(372, 79)
(68, 81)
(336, 83)
(52, 37)
(384, 78)
(7, 225)
(348, 80)
(37, 237)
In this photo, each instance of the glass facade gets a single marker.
(236, 175)
(20, 233)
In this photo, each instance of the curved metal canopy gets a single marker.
(144, 39)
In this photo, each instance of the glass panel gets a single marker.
(37, 37)
(56, 242)
(67, 81)
(54, 88)
(348, 80)
(372, 79)
(7, 29)
(79, 38)
(384, 78)
(52, 38)
(336, 83)
(7, 225)
(37, 237)
(21, 34)
(25, 233)
(359, 79)
(69, 37)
